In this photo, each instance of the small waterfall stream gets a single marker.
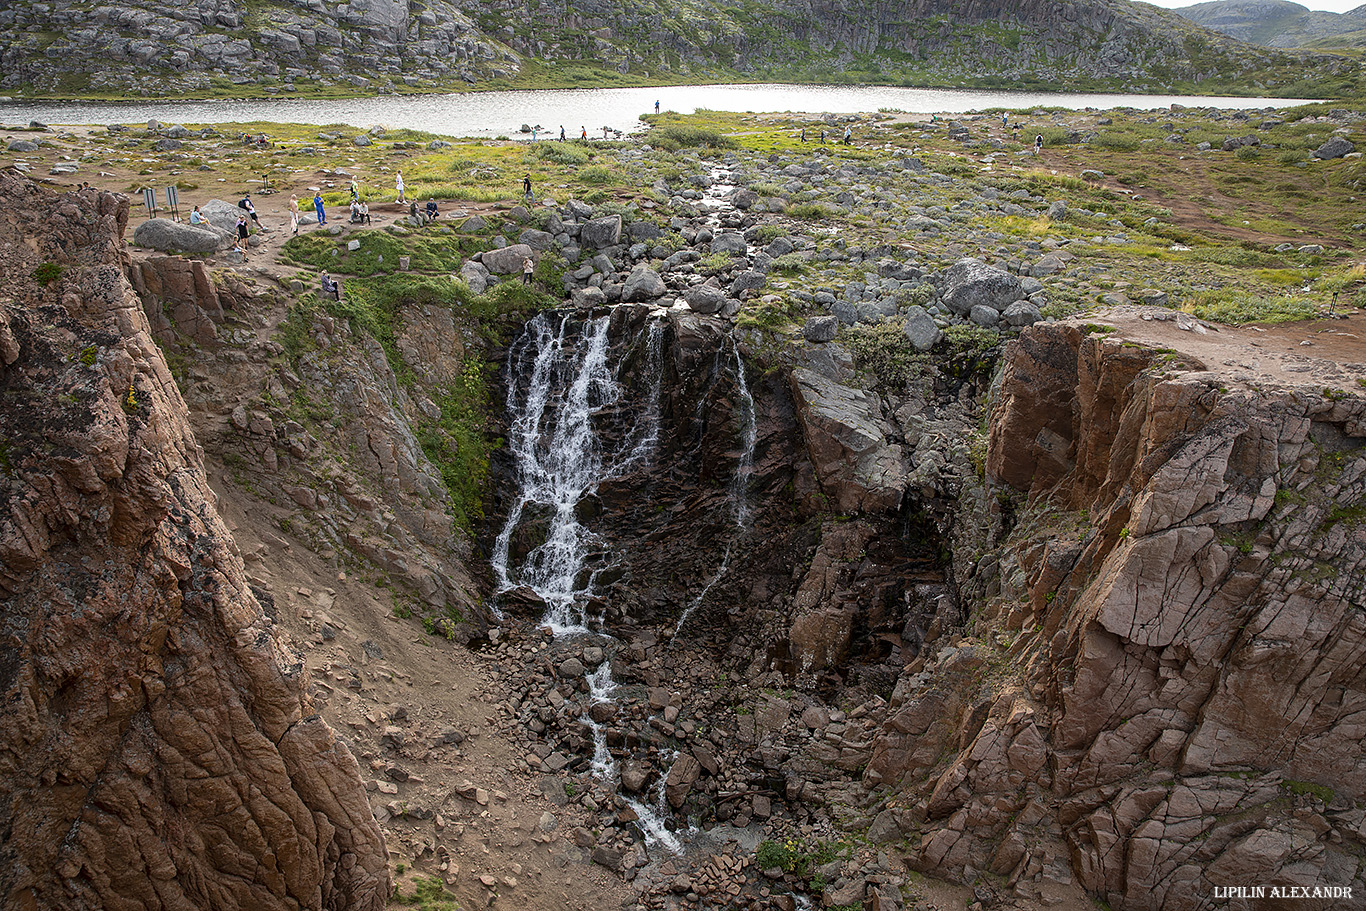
(739, 484)
(561, 457)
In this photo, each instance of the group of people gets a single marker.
(848, 136)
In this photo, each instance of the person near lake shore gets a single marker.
(398, 185)
(561, 132)
(656, 107)
(848, 135)
(527, 267)
(329, 287)
(583, 132)
(196, 217)
(318, 207)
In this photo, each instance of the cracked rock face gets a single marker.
(158, 749)
(1188, 710)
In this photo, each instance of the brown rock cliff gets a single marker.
(158, 750)
(1175, 696)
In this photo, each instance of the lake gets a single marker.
(487, 114)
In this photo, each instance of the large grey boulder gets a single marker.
(970, 282)
(601, 232)
(984, 316)
(167, 235)
(536, 240)
(705, 299)
(476, 275)
(507, 260)
(729, 243)
(749, 280)
(578, 210)
(21, 145)
(643, 284)
(820, 329)
(849, 443)
(1335, 148)
(223, 215)
(921, 331)
(1022, 313)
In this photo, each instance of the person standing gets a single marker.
(355, 192)
(656, 107)
(822, 137)
(318, 207)
(526, 191)
(561, 132)
(294, 213)
(398, 185)
(527, 267)
(246, 205)
(1038, 144)
(803, 134)
(242, 232)
(583, 132)
(848, 135)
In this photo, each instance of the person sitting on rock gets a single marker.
(355, 211)
(431, 208)
(196, 217)
(364, 214)
(329, 287)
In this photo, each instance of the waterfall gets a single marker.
(738, 489)
(560, 456)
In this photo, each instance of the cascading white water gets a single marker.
(739, 483)
(560, 458)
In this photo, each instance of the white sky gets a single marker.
(1332, 6)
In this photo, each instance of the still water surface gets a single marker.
(502, 113)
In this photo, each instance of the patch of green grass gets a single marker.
(47, 272)
(429, 894)
(1302, 788)
(1239, 308)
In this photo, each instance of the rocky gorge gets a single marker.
(864, 596)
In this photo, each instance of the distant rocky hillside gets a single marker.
(1280, 23)
(239, 47)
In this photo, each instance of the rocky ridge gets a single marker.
(285, 45)
(161, 750)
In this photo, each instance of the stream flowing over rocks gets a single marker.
(1066, 618)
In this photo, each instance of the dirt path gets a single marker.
(1330, 353)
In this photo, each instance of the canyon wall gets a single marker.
(1163, 692)
(159, 750)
